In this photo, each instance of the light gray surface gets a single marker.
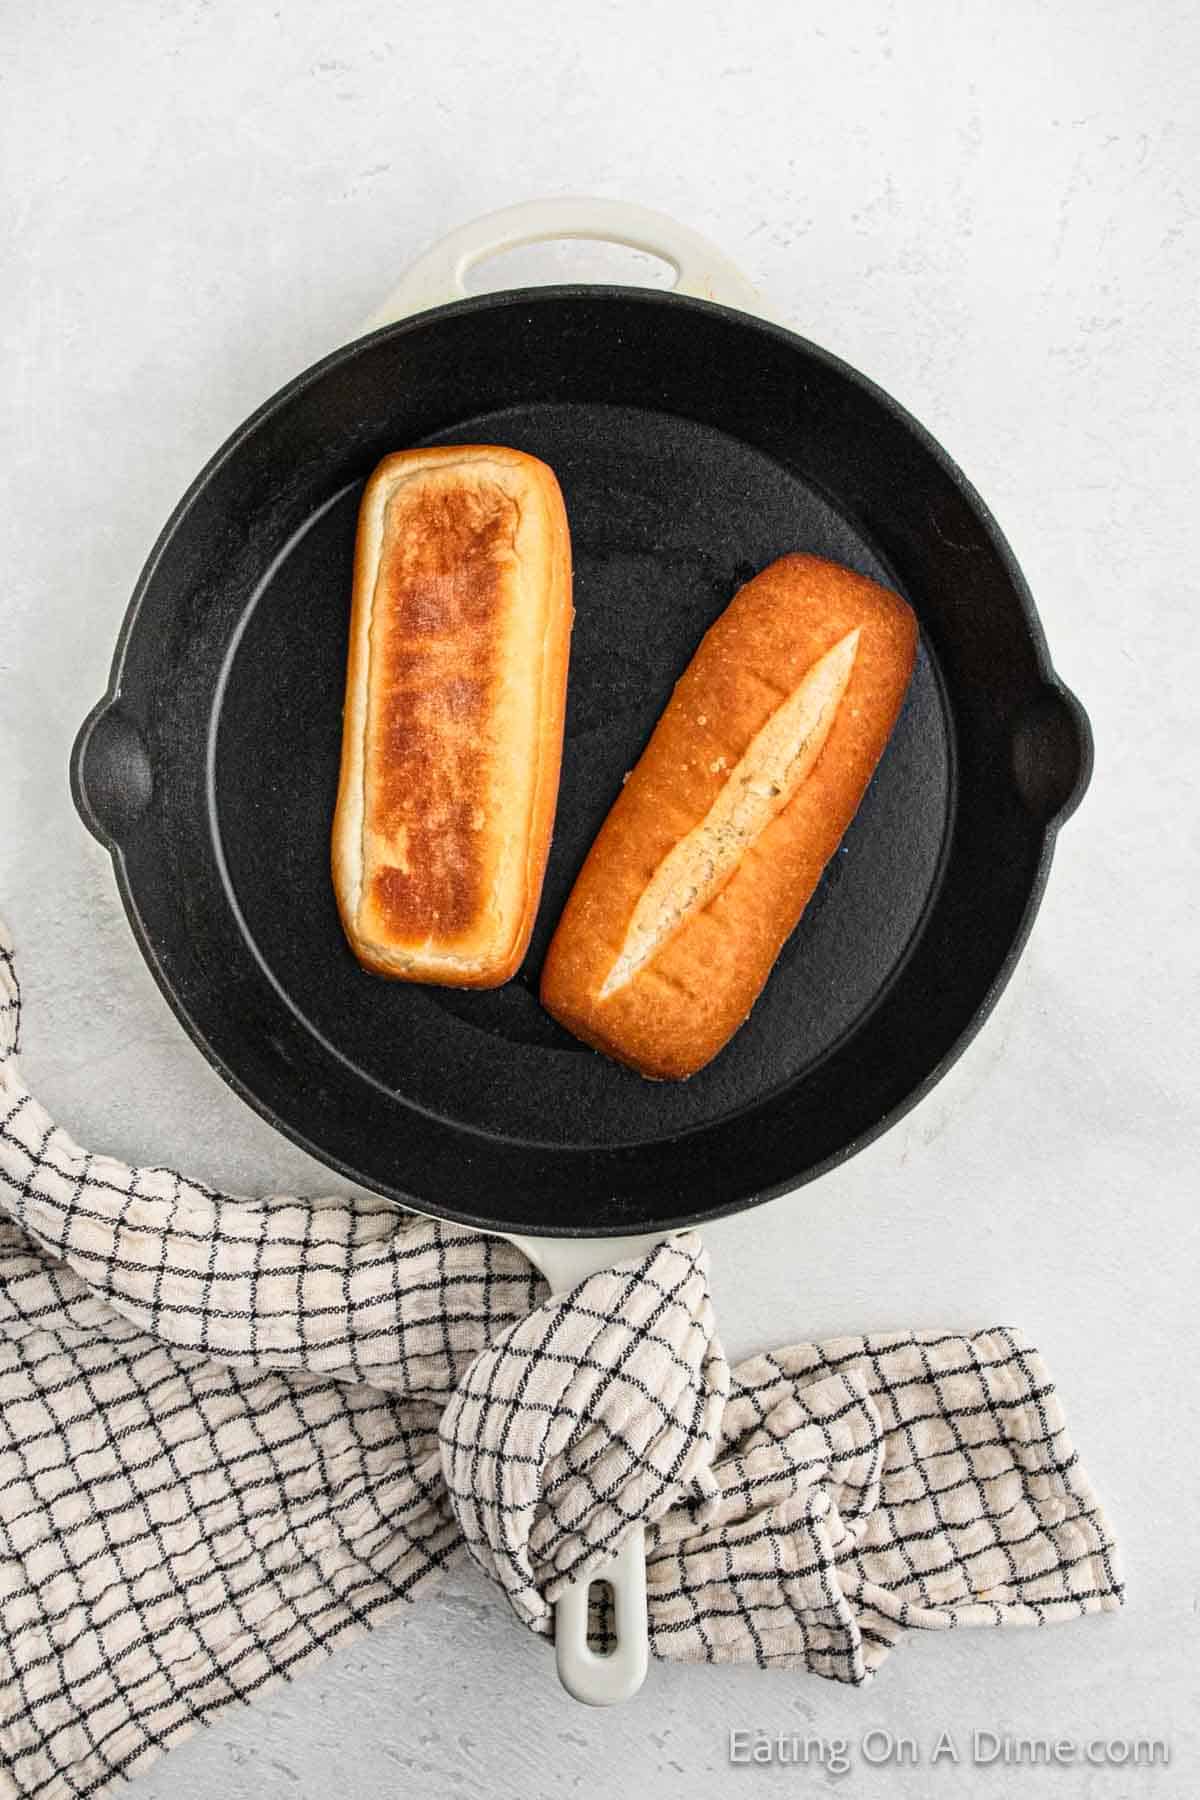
(993, 211)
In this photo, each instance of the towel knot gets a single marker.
(599, 1409)
(613, 1402)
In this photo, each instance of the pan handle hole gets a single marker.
(568, 259)
(601, 1618)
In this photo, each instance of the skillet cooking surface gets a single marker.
(666, 520)
(212, 772)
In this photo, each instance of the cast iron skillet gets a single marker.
(694, 444)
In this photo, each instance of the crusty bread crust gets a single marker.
(683, 1004)
(455, 701)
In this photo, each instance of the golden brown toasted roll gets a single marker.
(717, 840)
(455, 697)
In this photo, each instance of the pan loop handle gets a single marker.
(595, 1679)
(439, 276)
(588, 1675)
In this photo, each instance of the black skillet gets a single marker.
(694, 444)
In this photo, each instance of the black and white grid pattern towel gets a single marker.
(234, 1433)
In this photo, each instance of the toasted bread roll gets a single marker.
(719, 836)
(455, 696)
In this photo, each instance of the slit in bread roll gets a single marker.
(761, 784)
(455, 701)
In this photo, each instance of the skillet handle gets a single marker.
(438, 277)
(1053, 754)
(112, 780)
(606, 1680)
(594, 1679)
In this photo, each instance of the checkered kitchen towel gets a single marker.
(234, 1433)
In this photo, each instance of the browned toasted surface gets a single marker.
(454, 712)
(683, 1005)
(436, 658)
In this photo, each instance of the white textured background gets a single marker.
(993, 211)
